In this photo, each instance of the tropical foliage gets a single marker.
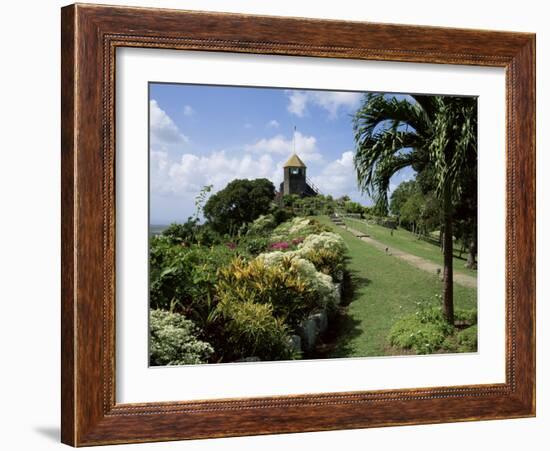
(242, 296)
(252, 330)
(245, 274)
(437, 137)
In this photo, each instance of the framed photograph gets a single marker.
(278, 225)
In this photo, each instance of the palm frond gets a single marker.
(388, 134)
(454, 142)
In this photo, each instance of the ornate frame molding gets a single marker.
(90, 36)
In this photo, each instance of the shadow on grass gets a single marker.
(457, 252)
(336, 342)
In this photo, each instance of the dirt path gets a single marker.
(426, 265)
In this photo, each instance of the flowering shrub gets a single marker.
(321, 284)
(326, 261)
(274, 259)
(174, 340)
(279, 245)
(245, 295)
(279, 285)
(317, 281)
(329, 241)
(298, 227)
(325, 250)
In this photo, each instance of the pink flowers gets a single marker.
(284, 245)
(279, 246)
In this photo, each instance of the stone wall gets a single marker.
(313, 327)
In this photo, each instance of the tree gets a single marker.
(353, 207)
(400, 196)
(240, 202)
(411, 211)
(432, 133)
(465, 212)
(430, 218)
(289, 200)
(418, 210)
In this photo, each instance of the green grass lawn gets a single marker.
(407, 242)
(384, 289)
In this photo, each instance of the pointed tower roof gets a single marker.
(294, 162)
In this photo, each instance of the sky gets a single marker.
(209, 135)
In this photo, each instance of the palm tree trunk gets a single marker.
(448, 307)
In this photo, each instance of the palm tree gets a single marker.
(428, 133)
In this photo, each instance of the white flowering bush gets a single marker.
(275, 258)
(298, 227)
(174, 341)
(328, 241)
(322, 284)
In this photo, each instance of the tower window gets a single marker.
(294, 171)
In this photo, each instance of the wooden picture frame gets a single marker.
(90, 36)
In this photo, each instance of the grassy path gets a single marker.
(406, 241)
(419, 262)
(385, 288)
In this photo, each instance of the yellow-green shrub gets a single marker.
(326, 293)
(282, 287)
(252, 330)
(327, 261)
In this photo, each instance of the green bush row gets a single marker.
(427, 331)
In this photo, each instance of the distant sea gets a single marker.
(156, 229)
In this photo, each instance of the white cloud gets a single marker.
(331, 101)
(338, 177)
(163, 129)
(297, 102)
(273, 124)
(176, 181)
(306, 146)
(188, 110)
(187, 173)
(159, 161)
(186, 176)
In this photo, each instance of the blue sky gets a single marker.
(202, 135)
